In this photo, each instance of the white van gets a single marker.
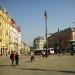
(51, 50)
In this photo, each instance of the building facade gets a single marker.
(25, 49)
(62, 38)
(39, 43)
(10, 34)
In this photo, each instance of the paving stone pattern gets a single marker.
(52, 65)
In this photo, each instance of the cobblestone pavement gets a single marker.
(52, 65)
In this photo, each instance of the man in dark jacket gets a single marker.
(12, 57)
(17, 59)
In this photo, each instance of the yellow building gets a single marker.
(10, 34)
(25, 49)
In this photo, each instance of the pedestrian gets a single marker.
(32, 56)
(16, 59)
(43, 54)
(12, 57)
(59, 51)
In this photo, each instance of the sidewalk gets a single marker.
(52, 65)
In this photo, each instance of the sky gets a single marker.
(29, 15)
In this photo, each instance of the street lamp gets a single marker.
(45, 15)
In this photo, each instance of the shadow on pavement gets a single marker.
(5, 65)
(67, 71)
(35, 69)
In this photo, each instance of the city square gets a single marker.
(37, 37)
(51, 65)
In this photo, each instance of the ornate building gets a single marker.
(39, 43)
(10, 33)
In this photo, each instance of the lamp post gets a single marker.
(45, 15)
(58, 37)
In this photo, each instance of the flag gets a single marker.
(45, 14)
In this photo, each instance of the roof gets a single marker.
(39, 37)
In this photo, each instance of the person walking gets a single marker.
(59, 51)
(32, 56)
(16, 59)
(12, 57)
(43, 54)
